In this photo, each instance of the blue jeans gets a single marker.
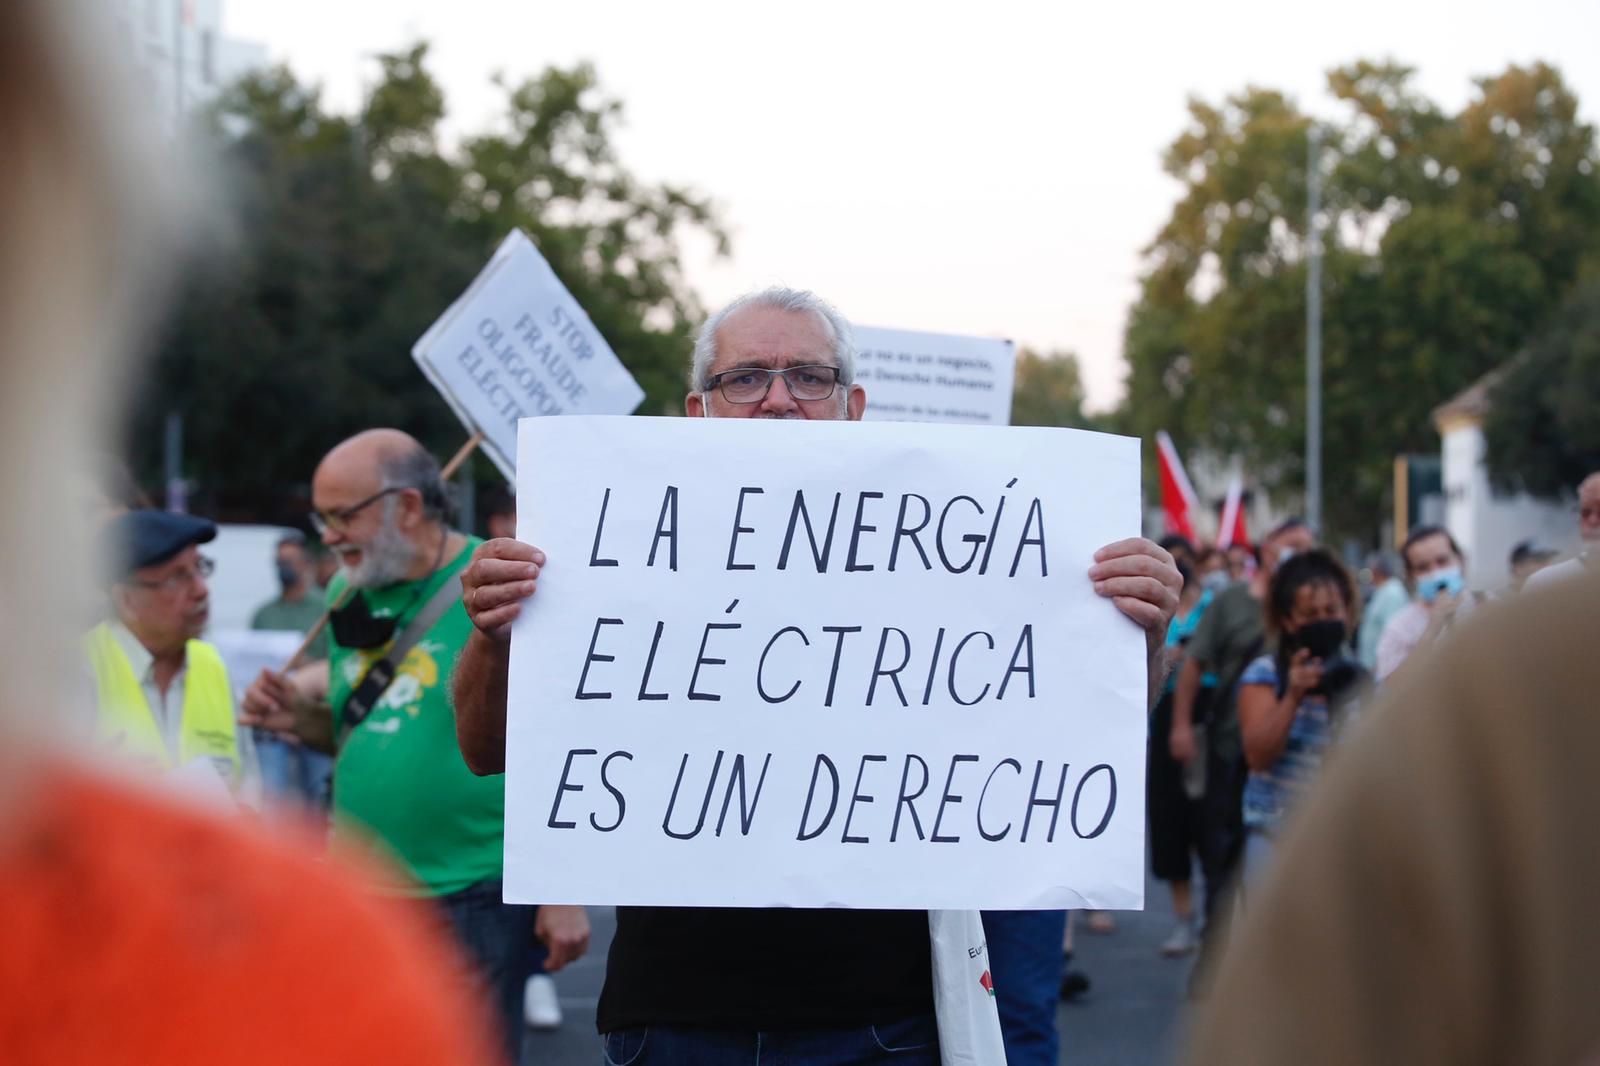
(498, 941)
(1026, 962)
(912, 1042)
(293, 771)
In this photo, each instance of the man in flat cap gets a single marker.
(162, 694)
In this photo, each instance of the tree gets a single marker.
(1543, 427)
(350, 234)
(1048, 391)
(1447, 239)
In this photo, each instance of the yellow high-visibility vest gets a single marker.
(125, 720)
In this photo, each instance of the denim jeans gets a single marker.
(1026, 962)
(293, 771)
(912, 1042)
(498, 941)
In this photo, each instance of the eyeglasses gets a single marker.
(202, 569)
(752, 383)
(338, 520)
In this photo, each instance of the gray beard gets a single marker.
(386, 560)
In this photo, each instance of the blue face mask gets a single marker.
(1216, 581)
(1447, 580)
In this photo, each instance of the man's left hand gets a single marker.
(565, 932)
(1138, 575)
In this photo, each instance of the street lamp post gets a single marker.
(1314, 330)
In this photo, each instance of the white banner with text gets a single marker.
(795, 663)
(912, 376)
(517, 345)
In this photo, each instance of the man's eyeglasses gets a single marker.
(339, 520)
(751, 384)
(202, 569)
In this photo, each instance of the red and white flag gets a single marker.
(1178, 501)
(1231, 529)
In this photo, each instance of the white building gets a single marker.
(181, 53)
(1485, 523)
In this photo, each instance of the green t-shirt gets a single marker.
(297, 615)
(400, 777)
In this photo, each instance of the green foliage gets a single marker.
(1543, 427)
(1048, 391)
(349, 235)
(1447, 239)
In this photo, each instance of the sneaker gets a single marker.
(1074, 983)
(1181, 941)
(540, 1007)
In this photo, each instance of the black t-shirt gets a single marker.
(749, 968)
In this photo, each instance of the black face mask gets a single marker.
(288, 576)
(1322, 639)
(354, 626)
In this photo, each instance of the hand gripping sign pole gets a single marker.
(445, 474)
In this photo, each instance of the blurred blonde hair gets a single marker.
(86, 213)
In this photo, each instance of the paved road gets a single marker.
(1129, 1017)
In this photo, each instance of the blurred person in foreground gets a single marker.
(1433, 904)
(162, 696)
(289, 768)
(1389, 595)
(138, 929)
(1295, 702)
(1227, 640)
(399, 781)
(1434, 564)
(1588, 557)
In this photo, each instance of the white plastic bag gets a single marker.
(963, 991)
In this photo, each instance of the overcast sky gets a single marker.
(988, 168)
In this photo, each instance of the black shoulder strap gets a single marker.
(381, 674)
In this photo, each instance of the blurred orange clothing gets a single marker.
(134, 930)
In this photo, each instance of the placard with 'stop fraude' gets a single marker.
(797, 663)
(912, 376)
(516, 344)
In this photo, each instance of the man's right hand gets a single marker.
(502, 574)
(269, 703)
(1181, 742)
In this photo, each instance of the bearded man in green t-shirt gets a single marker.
(399, 782)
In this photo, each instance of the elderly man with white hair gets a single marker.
(724, 985)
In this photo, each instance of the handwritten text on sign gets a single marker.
(517, 345)
(824, 663)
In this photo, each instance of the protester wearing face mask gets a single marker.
(1212, 570)
(1434, 568)
(289, 769)
(1293, 701)
(300, 604)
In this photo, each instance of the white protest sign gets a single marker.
(935, 377)
(515, 345)
(824, 663)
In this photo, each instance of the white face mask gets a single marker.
(705, 405)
